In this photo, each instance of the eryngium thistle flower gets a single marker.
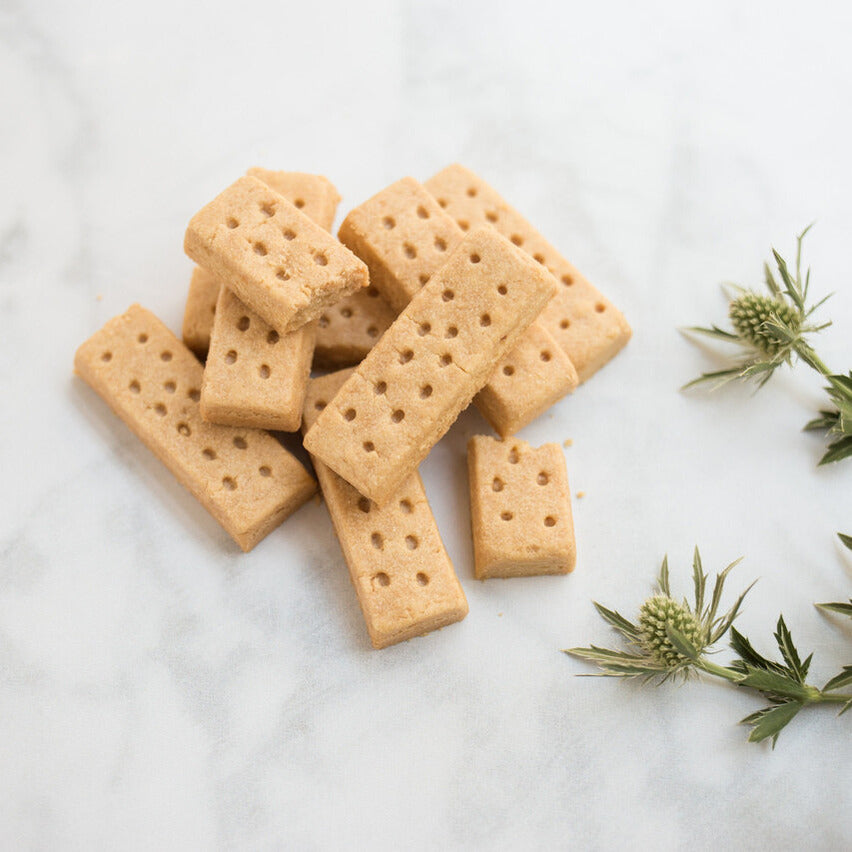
(672, 640)
(750, 314)
(657, 615)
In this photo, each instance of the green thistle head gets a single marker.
(660, 612)
(750, 311)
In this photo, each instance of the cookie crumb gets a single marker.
(567, 443)
(581, 495)
(100, 297)
(499, 615)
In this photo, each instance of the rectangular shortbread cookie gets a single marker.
(586, 325)
(348, 330)
(404, 237)
(244, 478)
(535, 375)
(314, 195)
(405, 582)
(520, 509)
(284, 267)
(254, 377)
(429, 364)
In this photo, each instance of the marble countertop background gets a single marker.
(160, 690)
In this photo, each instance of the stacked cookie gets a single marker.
(435, 296)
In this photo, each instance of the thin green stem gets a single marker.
(717, 670)
(816, 696)
(832, 698)
(807, 354)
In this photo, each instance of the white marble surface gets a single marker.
(160, 690)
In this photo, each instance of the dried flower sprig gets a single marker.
(774, 329)
(673, 638)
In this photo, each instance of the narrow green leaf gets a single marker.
(681, 643)
(771, 721)
(842, 679)
(761, 370)
(846, 539)
(838, 606)
(788, 650)
(602, 655)
(771, 283)
(720, 376)
(780, 330)
(748, 655)
(837, 451)
(718, 587)
(841, 383)
(663, 581)
(791, 287)
(845, 707)
(817, 305)
(773, 684)
(827, 421)
(618, 621)
(699, 579)
(712, 331)
(617, 663)
(727, 620)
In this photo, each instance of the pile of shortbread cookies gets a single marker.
(434, 295)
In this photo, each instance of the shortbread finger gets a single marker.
(200, 311)
(404, 237)
(405, 582)
(429, 364)
(535, 375)
(284, 267)
(520, 509)
(586, 325)
(347, 331)
(244, 478)
(314, 195)
(255, 377)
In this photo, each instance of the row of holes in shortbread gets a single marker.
(382, 579)
(260, 248)
(497, 484)
(244, 323)
(545, 355)
(184, 429)
(268, 209)
(390, 223)
(378, 541)
(549, 520)
(348, 312)
(263, 370)
(518, 240)
(165, 355)
(410, 251)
